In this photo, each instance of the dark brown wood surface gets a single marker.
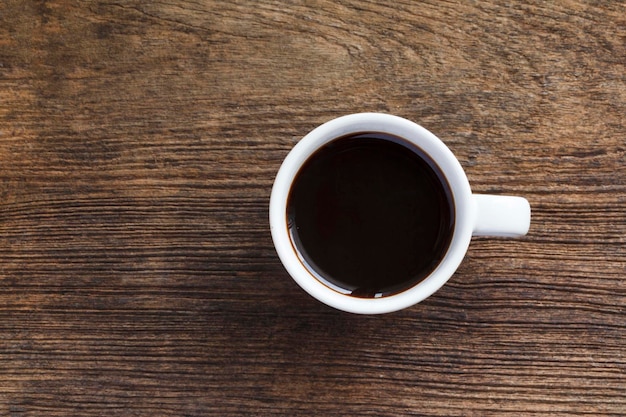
(138, 145)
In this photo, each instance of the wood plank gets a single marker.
(138, 146)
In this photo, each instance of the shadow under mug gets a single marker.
(474, 214)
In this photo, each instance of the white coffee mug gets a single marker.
(475, 214)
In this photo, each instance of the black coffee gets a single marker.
(370, 215)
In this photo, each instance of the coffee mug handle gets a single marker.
(498, 215)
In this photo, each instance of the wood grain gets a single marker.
(138, 145)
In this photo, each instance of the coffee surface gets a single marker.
(370, 215)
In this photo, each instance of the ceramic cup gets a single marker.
(475, 214)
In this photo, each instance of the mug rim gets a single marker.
(412, 133)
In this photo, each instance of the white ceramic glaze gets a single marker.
(475, 214)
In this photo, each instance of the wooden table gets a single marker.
(138, 146)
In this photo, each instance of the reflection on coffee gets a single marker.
(370, 215)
